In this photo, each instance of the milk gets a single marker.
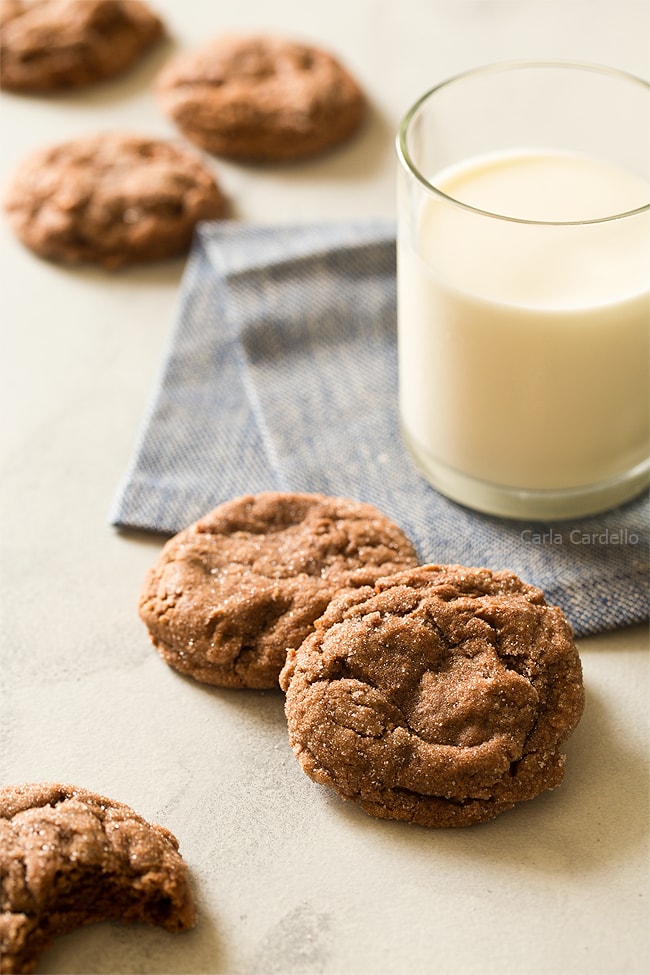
(524, 347)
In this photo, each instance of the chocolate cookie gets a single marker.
(232, 592)
(261, 99)
(46, 45)
(441, 696)
(70, 857)
(111, 199)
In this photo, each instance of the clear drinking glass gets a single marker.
(524, 287)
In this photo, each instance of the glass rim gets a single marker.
(409, 165)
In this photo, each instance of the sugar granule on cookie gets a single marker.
(70, 857)
(112, 199)
(261, 99)
(232, 592)
(51, 45)
(442, 695)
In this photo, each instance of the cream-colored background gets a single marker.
(289, 879)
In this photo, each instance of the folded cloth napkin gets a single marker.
(281, 375)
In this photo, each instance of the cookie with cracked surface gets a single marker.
(112, 199)
(70, 857)
(261, 99)
(441, 695)
(232, 592)
(48, 45)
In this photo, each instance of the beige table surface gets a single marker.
(289, 879)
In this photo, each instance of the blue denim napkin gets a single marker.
(281, 375)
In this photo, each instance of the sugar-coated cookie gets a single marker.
(111, 199)
(46, 45)
(230, 594)
(441, 695)
(70, 857)
(261, 99)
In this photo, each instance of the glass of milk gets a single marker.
(523, 281)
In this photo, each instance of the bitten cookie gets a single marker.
(70, 857)
(48, 45)
(232, 592)
(261, 99)
(112, 199)
(441, 696)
